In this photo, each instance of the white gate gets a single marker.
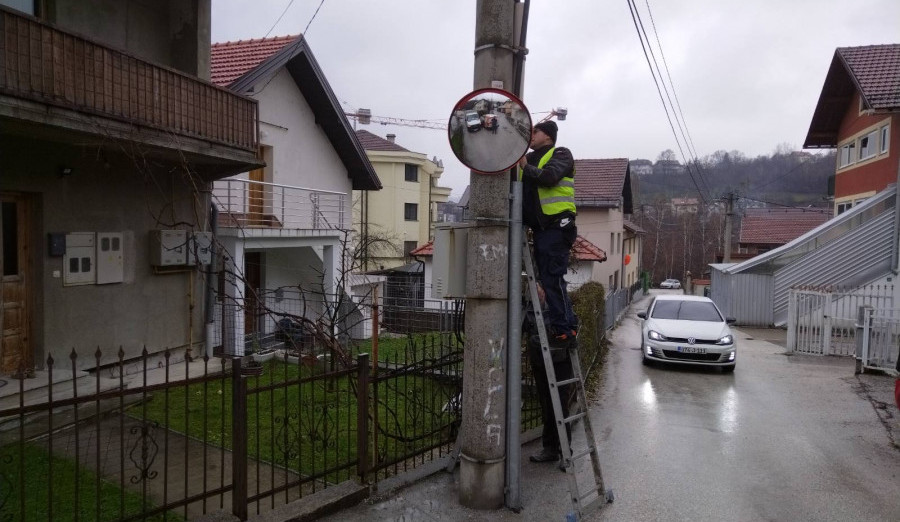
(822, 321)
(880, 343)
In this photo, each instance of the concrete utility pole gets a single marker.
(483, 431)
(729, 214)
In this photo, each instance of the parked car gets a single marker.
(670, 283)
(687, 329)
(473, 121)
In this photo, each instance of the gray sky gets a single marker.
(747, 73)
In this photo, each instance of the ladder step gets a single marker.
(573, 418)
(568, 381)
(584, 453)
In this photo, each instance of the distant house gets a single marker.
(641, 167)
(767, 228)
(633, 249)
(682, 206)
(603, 199)
(285, 226)
(405, 209)
(857, 109)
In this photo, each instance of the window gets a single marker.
(9, 235)
(412, 173)
(408, 246)
(867, 145)
(411, 211)
(844, 207)
(612, 243)
(847, 154)
(885, 138)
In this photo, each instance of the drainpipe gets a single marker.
(211, 278)
(895, 255)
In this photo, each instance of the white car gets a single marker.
(670, 283)
(687, 329)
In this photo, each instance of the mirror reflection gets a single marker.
(489, 130)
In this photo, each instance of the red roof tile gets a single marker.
(231, 60)
(876, 69)
(777, 226)
(370, 141)
(599, 179)
(583, 249)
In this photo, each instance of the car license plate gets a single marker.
(691, 349)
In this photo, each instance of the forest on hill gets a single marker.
(789, 178)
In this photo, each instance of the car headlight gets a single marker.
(728, 339)
(656, 336)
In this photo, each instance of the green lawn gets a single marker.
(64, 479)
(307, 426)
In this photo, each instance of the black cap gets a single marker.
(549, 128)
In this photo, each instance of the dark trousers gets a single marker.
(551, 252)
(562, 366)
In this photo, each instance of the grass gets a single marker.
(409, 348)
(306, 426)
(64, 480)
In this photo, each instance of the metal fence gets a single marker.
(616, 304)
(256, 204)
(244, 435)
(822, 320)
(878, 338)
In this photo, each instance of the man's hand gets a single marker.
(522, 162)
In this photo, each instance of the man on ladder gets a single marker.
(548, 209)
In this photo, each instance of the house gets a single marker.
(858, 113)
(104, 187)
(405, 210)
(603, 199)
(763, 229)
(681, 206)
(286, 227)
(584, 254)
(633, 248)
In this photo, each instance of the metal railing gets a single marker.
(255, 204)
(616, 305)
(878, 338)
(42, 63)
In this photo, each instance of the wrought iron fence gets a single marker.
(181, 439)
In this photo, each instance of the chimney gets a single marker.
(391, 137)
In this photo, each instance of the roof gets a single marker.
(603, 183)
(632, 227)
(777, 226)
(871, 70)
(374, 142)
(241, 66)
(231, 60)
(583, 250)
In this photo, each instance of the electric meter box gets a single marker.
(168, 247)
(80, 260)
(200, 248)
(448, 278)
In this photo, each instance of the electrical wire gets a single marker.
(279, 19)
(642, 36)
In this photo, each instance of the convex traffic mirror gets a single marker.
(489, 130)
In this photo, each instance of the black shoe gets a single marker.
(545, 455)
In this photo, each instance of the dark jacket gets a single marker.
(560, 165)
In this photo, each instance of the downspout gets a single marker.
(895, 255)
(211, 278)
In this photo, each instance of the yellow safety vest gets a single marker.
(558, 198)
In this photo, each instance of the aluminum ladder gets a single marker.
(596, 495)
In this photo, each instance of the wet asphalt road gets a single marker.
(783, 438)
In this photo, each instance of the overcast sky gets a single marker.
(747, 73)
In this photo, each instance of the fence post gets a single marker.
(863, 319)
(238, 441)
(792, 320)
(362, 416)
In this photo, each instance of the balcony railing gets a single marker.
(42, 63)
(253, 204)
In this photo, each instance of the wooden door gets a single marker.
(15, 349)
(256, 197)
(253, 309)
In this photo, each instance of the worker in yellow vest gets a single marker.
(548, 208)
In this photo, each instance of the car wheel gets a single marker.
(728, 369)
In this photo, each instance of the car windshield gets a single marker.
(686, 311)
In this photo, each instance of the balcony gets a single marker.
(53, 78)
(266, 209)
